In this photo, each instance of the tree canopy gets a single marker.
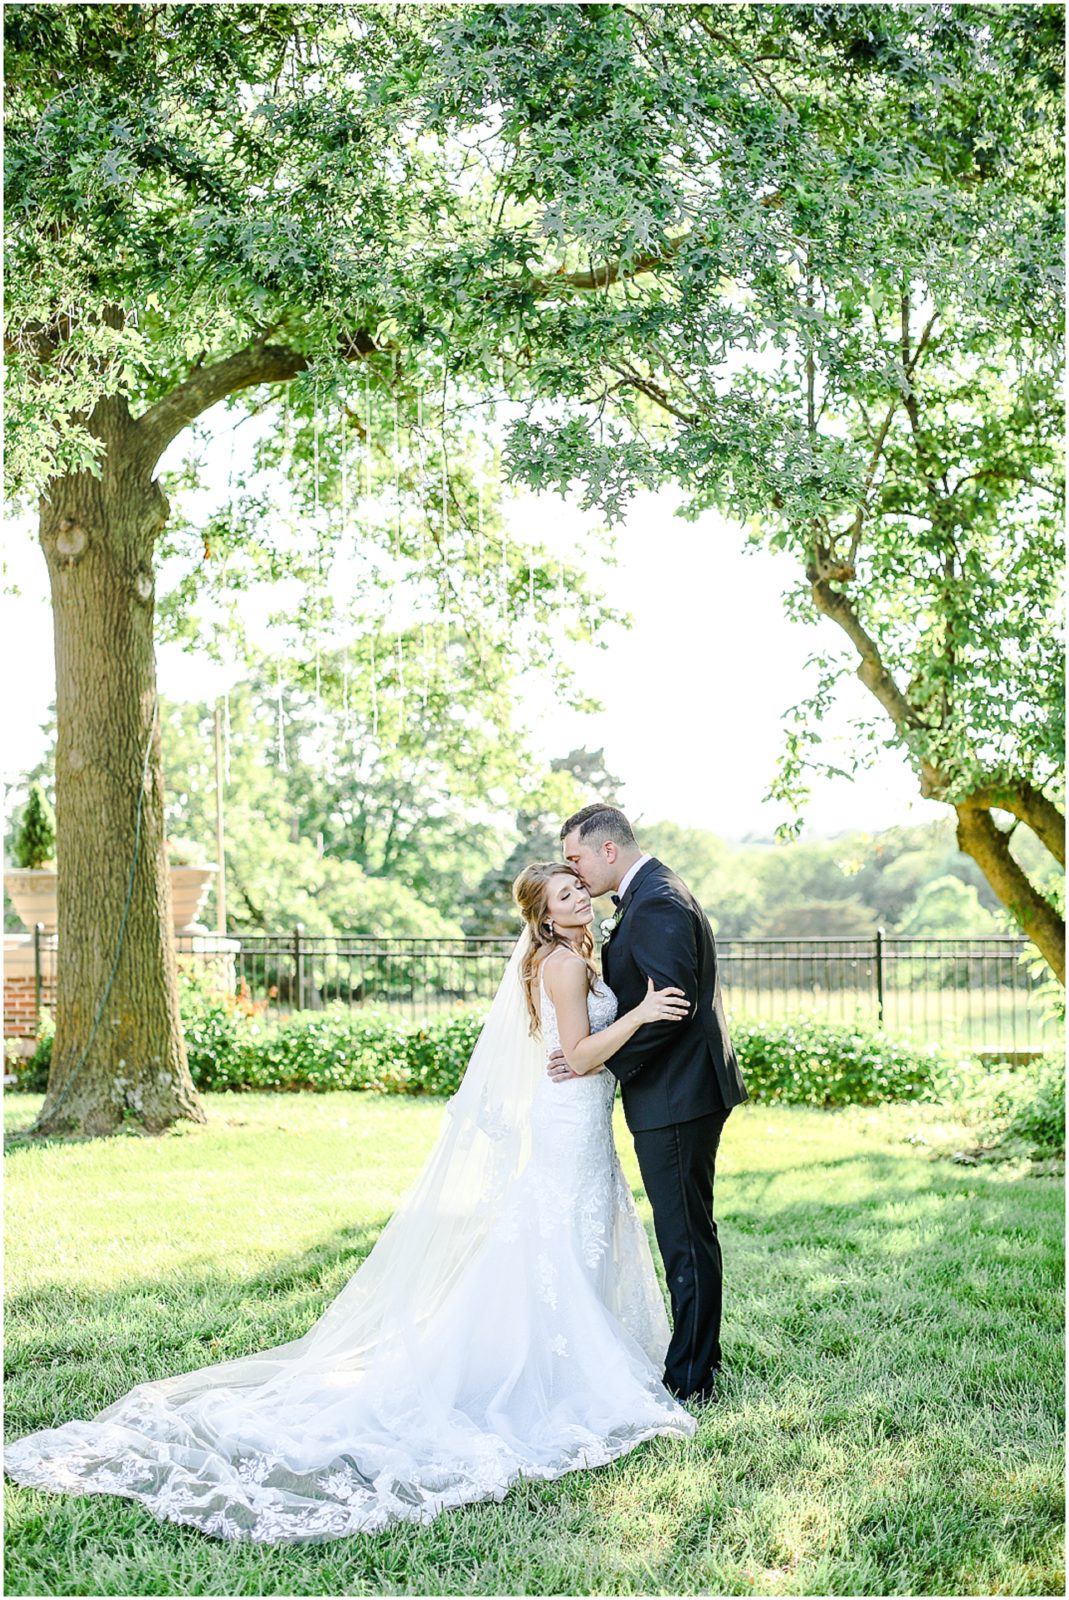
(831, 243)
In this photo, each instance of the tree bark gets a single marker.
(981, 837)
(98, 537)
(1032, 807)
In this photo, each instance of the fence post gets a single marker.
(298, 964)
(38, 929)
(879, 975)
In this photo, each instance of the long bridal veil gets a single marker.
(358, 1422)
(440, 1223)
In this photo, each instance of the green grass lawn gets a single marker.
(890, 1420)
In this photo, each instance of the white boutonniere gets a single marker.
(608, 924)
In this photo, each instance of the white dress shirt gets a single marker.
(630, 873)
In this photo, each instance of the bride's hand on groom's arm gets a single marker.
(661, 1005)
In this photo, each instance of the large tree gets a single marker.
(218, 207)
(847, 331)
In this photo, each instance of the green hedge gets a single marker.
(807, 1061)
(232, 1045)
(804, 1062)
(338, 1048)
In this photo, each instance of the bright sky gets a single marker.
(694, 693)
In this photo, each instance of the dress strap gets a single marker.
(547, 998)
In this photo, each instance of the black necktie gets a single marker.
(615, 898)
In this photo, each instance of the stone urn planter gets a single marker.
(32, 891)
(189, 889)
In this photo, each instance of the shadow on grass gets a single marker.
(155, 1327)
(821, 1260)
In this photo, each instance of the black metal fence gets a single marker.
(975, 990)
(970, 990)
(419, 977)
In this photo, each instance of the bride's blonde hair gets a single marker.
(531, 893)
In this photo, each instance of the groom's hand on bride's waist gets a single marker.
(559, 1070)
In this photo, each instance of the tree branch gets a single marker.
(609, 272)
(43, 338)
(257, 363)
(871, 671)
(978, 834)
(600, 277)
(1031, 806)
(909, 367)
(762, 79)
(652, 390)
(909, 400)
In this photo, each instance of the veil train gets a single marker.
(431, 1380)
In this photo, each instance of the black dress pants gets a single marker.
(678, 1164)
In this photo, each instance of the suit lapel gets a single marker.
(641, 876)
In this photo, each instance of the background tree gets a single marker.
(947, 906)
(278, 874)
(573, 781)
(412, 820)
(847, 918)
(726, 879)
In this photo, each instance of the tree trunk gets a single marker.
(980, 836)
(98, 537)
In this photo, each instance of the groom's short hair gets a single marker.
(604, 822)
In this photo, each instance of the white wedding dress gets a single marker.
(533, 1347)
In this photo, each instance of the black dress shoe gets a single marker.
(707, 1391)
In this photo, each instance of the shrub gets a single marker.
(35, 841)
(438, 1055)
(32, 1071)
(1038, 1117)
(231, 1044)
(1008, 1109)
(338, 1048)
(802, 1062)
(807, 1061)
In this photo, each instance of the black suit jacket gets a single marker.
(669, 1071)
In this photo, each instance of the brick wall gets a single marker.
(20, 1015)
(20, 1010)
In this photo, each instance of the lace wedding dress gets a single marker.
(531, 1346)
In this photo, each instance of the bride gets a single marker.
(507, 1324)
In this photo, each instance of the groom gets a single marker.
(679, 1080)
